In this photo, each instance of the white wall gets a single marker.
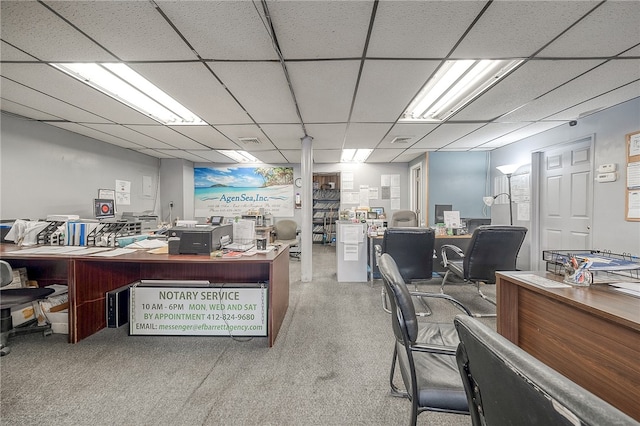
(609, 228)
(47, 170)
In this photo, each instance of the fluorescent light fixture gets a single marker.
(508, 169)
(239, 156)
(456, 83)
(127, 86)
(355, 155)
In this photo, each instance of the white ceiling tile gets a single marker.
(365, 135)
(521, 133)
(270, 157)
(168, 135)
(531, 80)
(483, 135)
(599, 103)
(206, 135)
(384, 155)
(193, 85)
(419, 29)
(324, 89)
(284, 136)
(292, 155)
(40, 103)
(604, 78)
(326, 155)
(10, 53)
(327, 136)
(155, 153)
(210, 155)
(607, 31)
(261, 88)
(445, 134)
(24, 111)
(247, 131)
(222, 29)
(321, 29)
(414, 131)
(130, 135)
(131, 30)
(95, 134)
(34, 29)
(519, 28)
(387, 87)
(409, 155)
(48, 80)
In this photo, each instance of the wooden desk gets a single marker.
(589, 334)
(89, 278)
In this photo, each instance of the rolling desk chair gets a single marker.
(13, 297)
(403, 218)
(286, 232)
(492, 248)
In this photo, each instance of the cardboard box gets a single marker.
(22, 313)
(59, 321)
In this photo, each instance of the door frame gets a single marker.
(415, 196)
(537, 163)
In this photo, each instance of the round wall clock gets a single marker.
(298, 182)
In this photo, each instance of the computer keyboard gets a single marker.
(239, 246)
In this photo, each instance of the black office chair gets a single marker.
(492, 248)
(425, 352)
(285, 231)
(412, 250)
(12, 297)
(507, 386)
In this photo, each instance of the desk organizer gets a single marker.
(602, 265)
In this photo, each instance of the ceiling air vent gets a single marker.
(250, 141)
(401, 139)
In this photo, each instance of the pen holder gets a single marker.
(580, 277)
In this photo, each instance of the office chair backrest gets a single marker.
(492, 248)
(6, 273)
(286, 229)
(404, 218)
(412, 250)
(507, 386)
(397, 290)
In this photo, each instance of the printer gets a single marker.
(147, 218)
(199, 239)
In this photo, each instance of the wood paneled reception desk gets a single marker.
(589, 334)
(89, 278)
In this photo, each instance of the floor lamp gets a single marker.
(507, 170)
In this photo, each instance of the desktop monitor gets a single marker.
(473, 223)
(439, 213)
(104, 208)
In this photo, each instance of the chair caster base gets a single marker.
(5, 350)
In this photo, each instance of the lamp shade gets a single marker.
(488, 201)
(508, 169)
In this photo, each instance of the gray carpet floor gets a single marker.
(329, 366)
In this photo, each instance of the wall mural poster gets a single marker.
(234, 191)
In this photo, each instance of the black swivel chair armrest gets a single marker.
(441, 296)
(455, 249)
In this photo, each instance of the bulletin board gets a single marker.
(632, 186)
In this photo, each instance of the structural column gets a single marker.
(306, 171)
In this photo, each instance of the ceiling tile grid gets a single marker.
(348, 70)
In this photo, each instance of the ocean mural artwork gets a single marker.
(234, 191)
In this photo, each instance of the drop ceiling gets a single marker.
(341, 72)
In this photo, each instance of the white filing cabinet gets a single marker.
(351, 251)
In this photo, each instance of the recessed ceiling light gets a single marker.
(127, 86)
(455, 85)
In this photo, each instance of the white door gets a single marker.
(566, 196)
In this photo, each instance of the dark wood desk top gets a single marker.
(597, 299)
